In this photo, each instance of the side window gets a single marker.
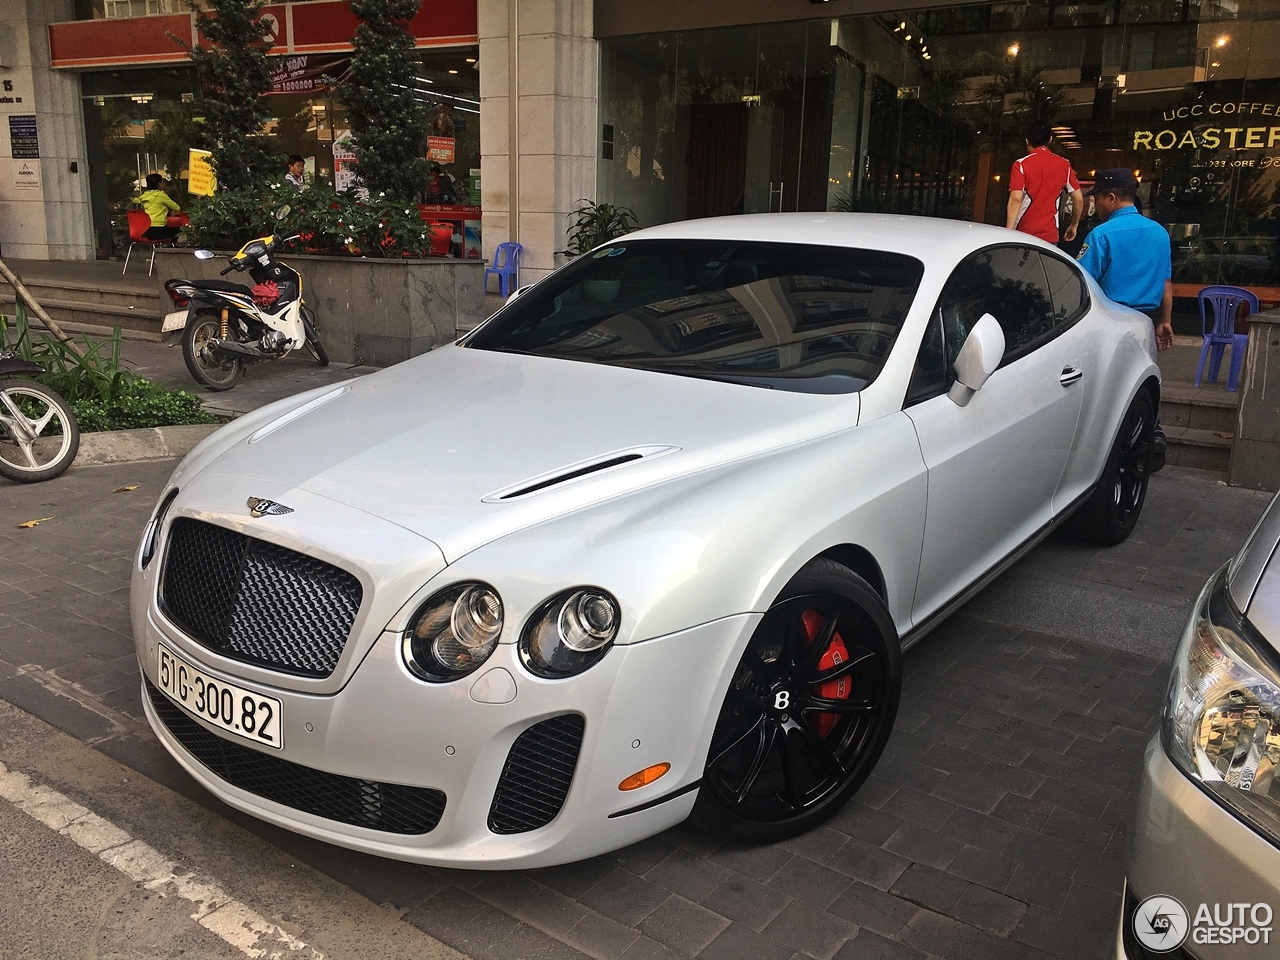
(1010, 284)
(934, 371)
(1067, 288)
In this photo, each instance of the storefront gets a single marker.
(923, 113)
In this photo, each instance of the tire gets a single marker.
(39, 436)
(776, 766)
(216, 373)
(313, 339)
(1112, 511)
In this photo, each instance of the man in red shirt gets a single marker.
(1035, 184)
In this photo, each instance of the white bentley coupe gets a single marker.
(648, 544)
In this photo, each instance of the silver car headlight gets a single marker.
(1222, 718)
(453, 633)
(151, 535)
(570, 632)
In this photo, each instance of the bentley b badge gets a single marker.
(267, 508)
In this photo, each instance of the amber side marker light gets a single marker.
(644, 777)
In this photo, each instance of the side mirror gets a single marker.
(204, 254)
(283, 211)
(978, 359)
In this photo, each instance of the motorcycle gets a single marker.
(39, 436)
(226, 325)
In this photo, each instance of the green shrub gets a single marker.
(103, 396)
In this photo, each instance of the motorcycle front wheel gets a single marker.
(207, 367)
(39, 436)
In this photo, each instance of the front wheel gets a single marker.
(1111, 512)
(215, 371)
(39, 436)
(808, 711)
(314, 345)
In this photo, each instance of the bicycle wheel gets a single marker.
(38, 433)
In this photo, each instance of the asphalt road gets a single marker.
(993, 827)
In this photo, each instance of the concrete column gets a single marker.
(1255, 451)
(44, 205)
(538, 91)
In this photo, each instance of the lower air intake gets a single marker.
(363, 803)
(537, 774)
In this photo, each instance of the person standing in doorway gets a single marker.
(1036, 185)
(295, 175)
(1128, 254)
(158, 206)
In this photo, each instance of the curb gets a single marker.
(149, 443)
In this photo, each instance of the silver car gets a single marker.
(1203, 879)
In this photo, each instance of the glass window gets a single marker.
(935, 364)
(1066, 287)
(1010, 284)
(815, 319)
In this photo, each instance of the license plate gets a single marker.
(238, 711)
(174, 321)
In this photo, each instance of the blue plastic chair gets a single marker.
(1225, 302)
(506, 264)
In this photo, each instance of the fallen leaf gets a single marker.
(31, 523)
(126, 489)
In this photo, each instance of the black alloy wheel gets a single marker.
(1112, 512)
(808, 711)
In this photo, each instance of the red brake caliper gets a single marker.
(836, 653)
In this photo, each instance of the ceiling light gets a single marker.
(453, 71)
(1013, 49)
(471, 59)
(1222, 41)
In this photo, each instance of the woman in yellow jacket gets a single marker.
(158, 206)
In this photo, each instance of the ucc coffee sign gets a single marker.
(1212, 130)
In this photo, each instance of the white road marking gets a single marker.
(216, 910)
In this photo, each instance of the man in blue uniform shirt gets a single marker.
(1128, 254)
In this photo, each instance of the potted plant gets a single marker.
(595, 224)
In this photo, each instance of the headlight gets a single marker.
(453, 633)
(151, 535)
(1222, 719)
(570, 632)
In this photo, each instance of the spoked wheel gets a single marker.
(314, 346)
(808, 711)
(215, 371)
(1111, 513)
(38, 433)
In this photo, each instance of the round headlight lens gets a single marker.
(570, 632)
(454, 632)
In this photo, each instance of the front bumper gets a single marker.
(1187, 846)
(643, 704)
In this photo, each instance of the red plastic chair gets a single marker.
(140, 223)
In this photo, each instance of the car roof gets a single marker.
(922, 237)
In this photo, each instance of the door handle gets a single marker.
(1070, 375)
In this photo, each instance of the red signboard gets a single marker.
(440, 149)
(321, 26)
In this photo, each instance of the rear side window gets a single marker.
(1066, 287)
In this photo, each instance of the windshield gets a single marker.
(790, 316)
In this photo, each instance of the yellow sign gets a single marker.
(200, 178)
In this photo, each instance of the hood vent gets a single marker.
(575, 470)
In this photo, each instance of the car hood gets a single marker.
(442, 444)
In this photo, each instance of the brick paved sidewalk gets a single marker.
(993, 827)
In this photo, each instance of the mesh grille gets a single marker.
(257, 602)
(536, 777)
(388, 807)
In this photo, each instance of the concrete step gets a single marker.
(123, 292)
(1202, 449)
(145, 315)
(1209, 407)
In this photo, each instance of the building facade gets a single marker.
(683, 110)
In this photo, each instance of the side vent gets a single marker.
(575, 470)
(535, 779)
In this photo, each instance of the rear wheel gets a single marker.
(808, 711)
(215, 371)
(38, 433)
(1112, 511)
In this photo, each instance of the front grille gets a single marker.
(388, 807)
(536, 777)
(257, 602)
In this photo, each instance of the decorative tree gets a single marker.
(388, 124)
(235, 75)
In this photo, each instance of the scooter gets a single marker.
(39, 436)
(226, 325)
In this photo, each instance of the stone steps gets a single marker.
(130, 305)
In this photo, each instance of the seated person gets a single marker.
(158, 206)
(439, 187)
